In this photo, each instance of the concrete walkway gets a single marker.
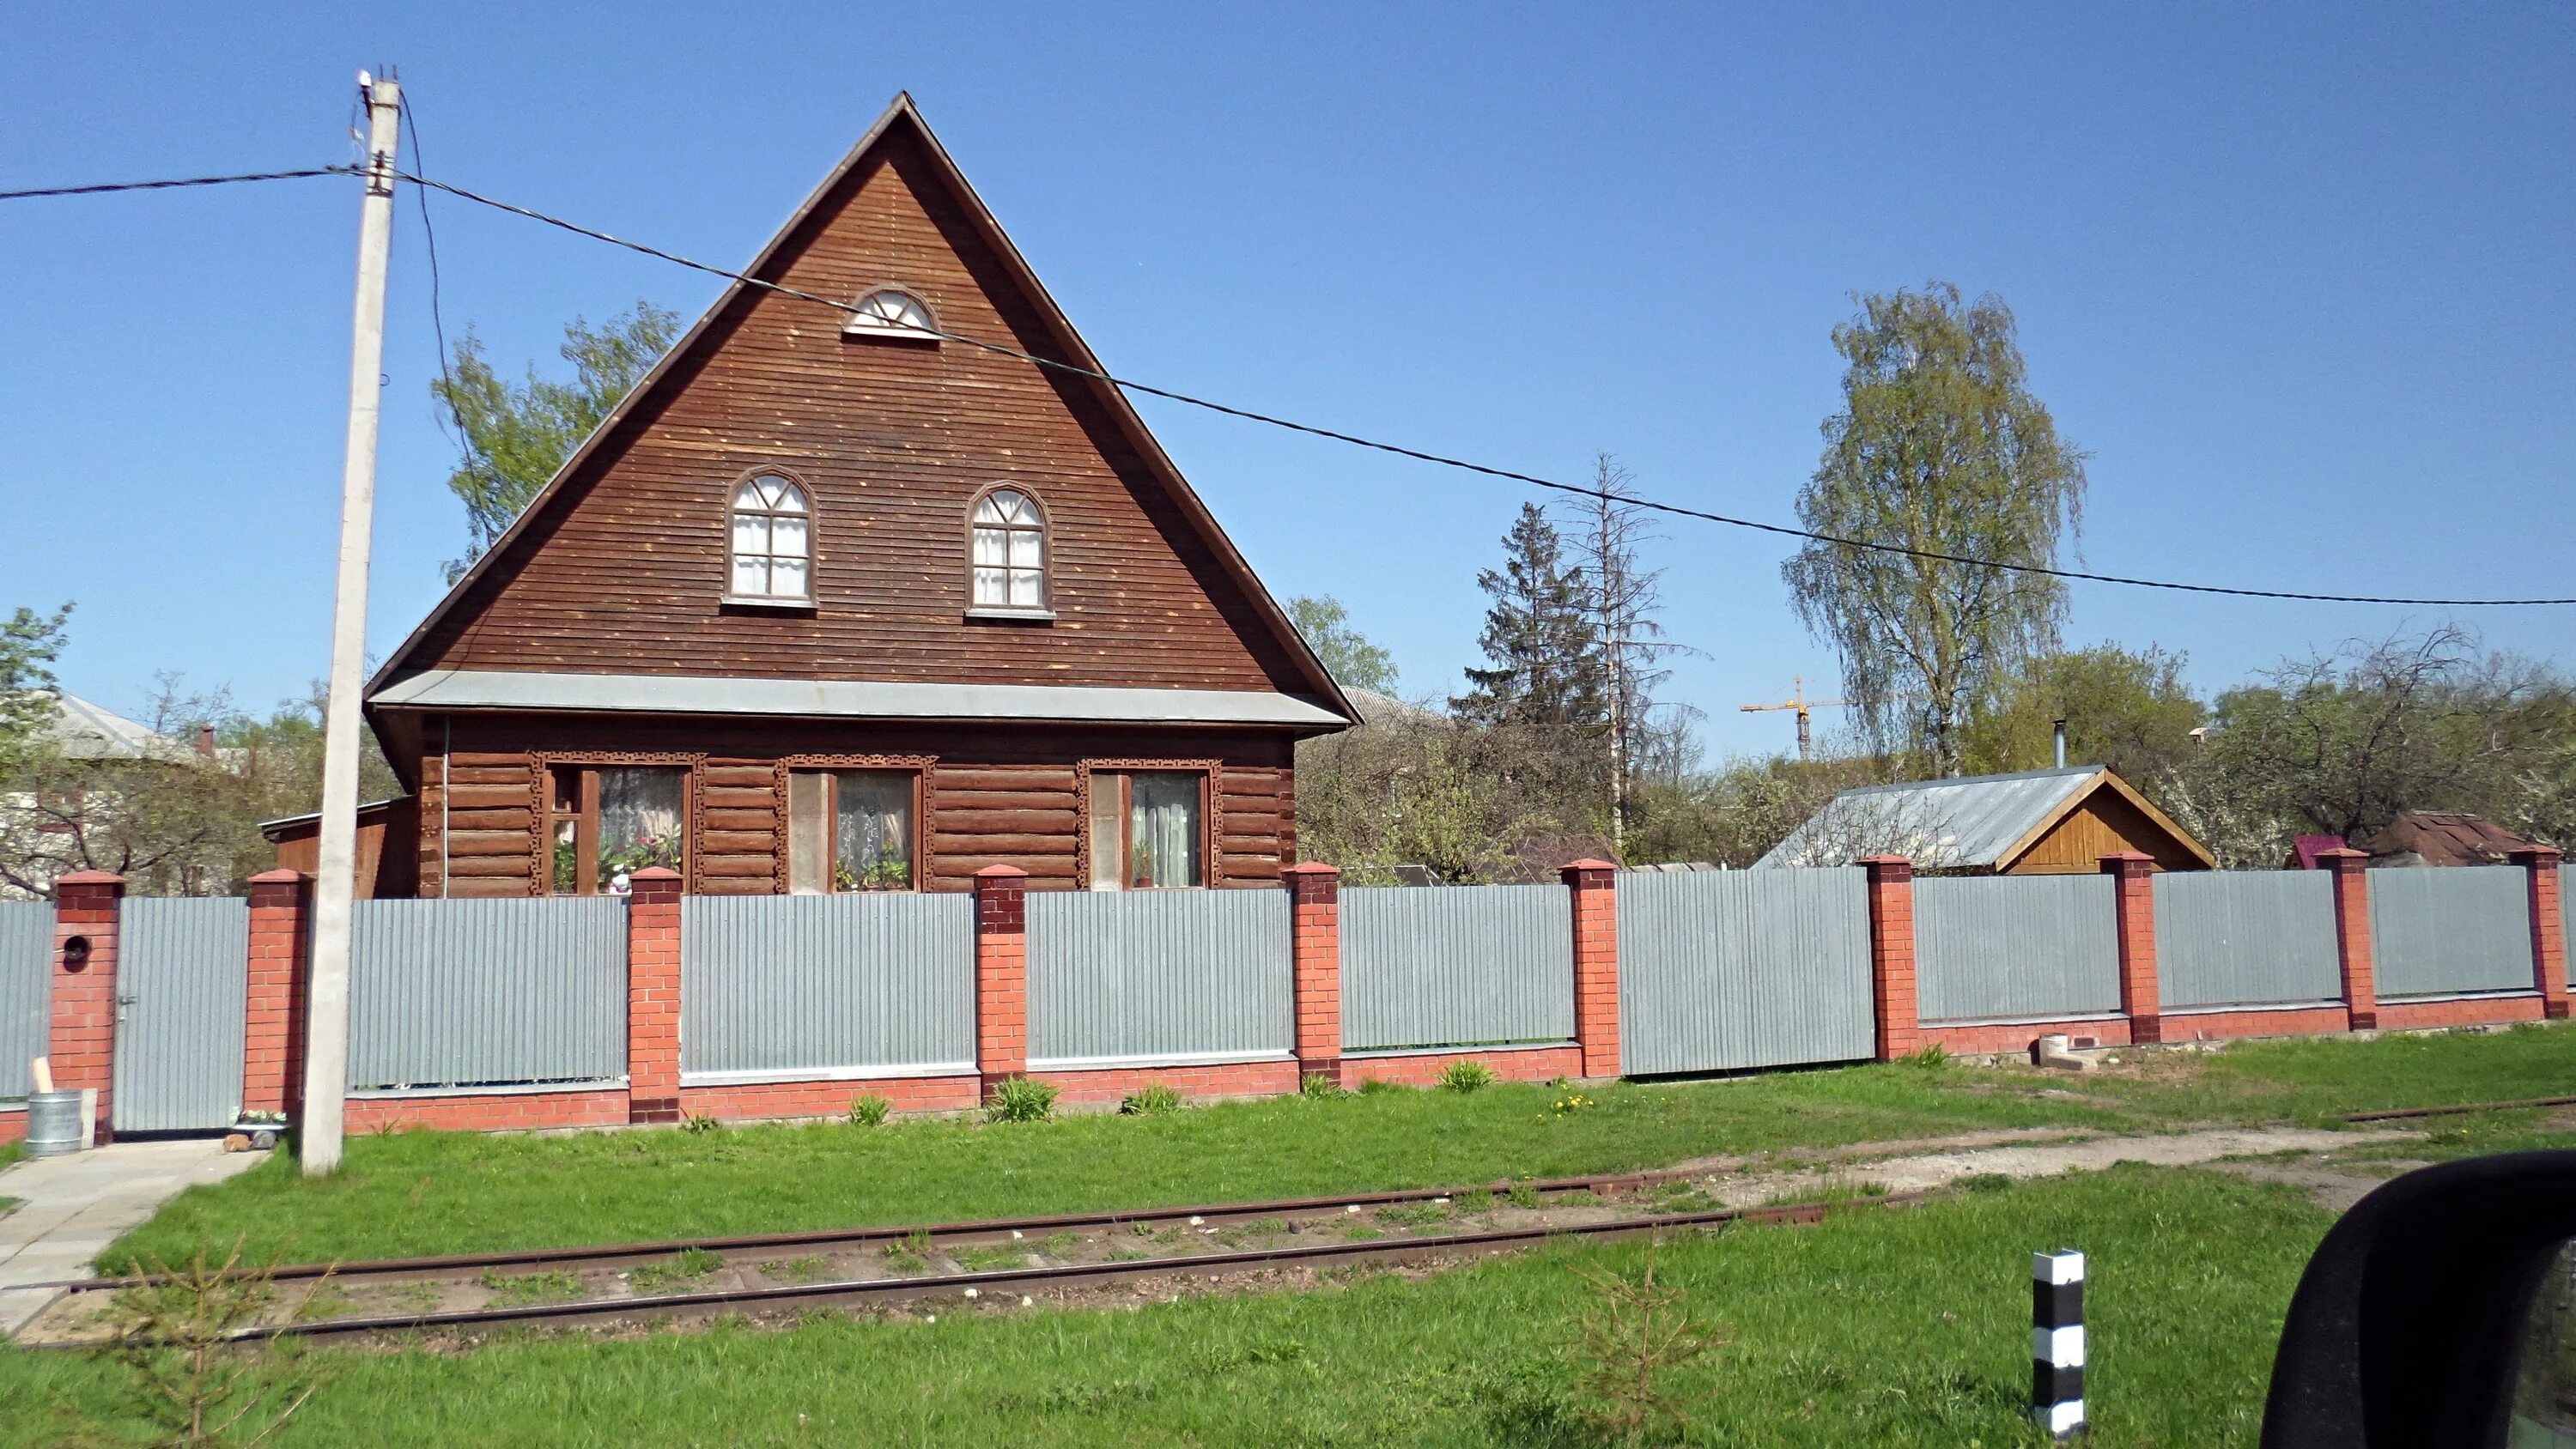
(75, 1206)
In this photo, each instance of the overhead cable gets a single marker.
(176, 183)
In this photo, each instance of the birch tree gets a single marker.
(1939, 447)
(1604, 532)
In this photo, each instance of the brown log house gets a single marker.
(837, 601)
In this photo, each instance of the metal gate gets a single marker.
(182, 988)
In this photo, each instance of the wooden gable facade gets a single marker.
(604, 645)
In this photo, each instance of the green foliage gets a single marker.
(869, 1111)
(2130, 711)
(1541, 645)
(1939, 446)
(806, 1269)
(515, 435)
(1635, 1337)
(29, 644)
(1466, 1076)
(988, 1257)
(509, 1290)
(698, 1124)
(1019, 1099)
(1352, 660)
(1154, 1099)
(677, 1274)
(182, 1380)
(1319, 1085)
(1929, 1055)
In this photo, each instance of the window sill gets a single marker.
(1031, 616)
(756, 601)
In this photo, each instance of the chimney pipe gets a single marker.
(206, 740)
(2060, 727)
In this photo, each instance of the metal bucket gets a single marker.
(53, 1124)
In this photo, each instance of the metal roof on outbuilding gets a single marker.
(1959, 824)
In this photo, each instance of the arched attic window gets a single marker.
(1009, 553)
(773, 543)
(892, 312)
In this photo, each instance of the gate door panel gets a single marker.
(182, 987)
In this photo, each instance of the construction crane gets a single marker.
(1798, 701)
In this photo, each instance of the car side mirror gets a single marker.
(2438, 1314)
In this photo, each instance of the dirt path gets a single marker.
(1921, 1171)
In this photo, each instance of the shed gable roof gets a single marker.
(1206, 586)
(1974, 822)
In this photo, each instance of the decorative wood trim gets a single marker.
(1211, 775)
(924, 801)
(541, 764)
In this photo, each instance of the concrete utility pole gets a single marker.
(326, 1034)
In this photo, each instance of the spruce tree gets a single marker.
(1540, 639)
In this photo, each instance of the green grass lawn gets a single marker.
(423, 1192)
(1903, 1326)
(11, 1152)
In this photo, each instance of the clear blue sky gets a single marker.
(2297, 277)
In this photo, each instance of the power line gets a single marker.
(1442, 460)
(176, 183)
(437, 311)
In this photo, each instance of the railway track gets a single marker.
(1061, 1257)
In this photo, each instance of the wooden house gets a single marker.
(839, 599)
(2038, 822)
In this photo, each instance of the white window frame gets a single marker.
(743, 499)
(977, 606)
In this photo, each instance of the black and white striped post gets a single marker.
(2057, 1341)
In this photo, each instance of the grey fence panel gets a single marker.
(2015, 946)
(467, 993)
(1725, 970)
(2246, 938)
(2442, 931)
(183, 999)
(26, 990)
(827, 984)
(1117, 975)
(1456, 966)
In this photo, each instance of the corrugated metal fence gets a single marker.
(1990, 948)
(2246, 938)
(2443, 931)
(847, 985)
(182, 986)
(1725, 970)
(26, 989)
(1450, 966)
(1158, 975)
(465, 993)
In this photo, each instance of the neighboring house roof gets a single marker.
(1328, 701)
(1385, 709)
(86, 731)
(2444, 837)
(1975, 822)
(2308, 851)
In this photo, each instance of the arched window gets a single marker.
(892, 312)
(1010, 551)
(772, 542)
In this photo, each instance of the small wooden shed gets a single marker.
(2037, 822)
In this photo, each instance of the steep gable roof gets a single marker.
(1971, 822)
(900, 123)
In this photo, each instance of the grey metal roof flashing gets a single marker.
(847, 699)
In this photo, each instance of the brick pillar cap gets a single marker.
(655, 872)
(1886, 860)
(1589, 864)
(1001, 872)
(2533, 854)
(90, 878)
(2341, 853)
(279, 876)
(1312, 867)
(2118, 860)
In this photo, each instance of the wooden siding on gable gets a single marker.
(624, 568)
(2104, 824)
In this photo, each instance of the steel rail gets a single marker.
(997, 1229)
(2399, 1114)
(892, 1290)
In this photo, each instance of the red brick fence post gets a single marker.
(2133, 882)
(273, 1024)
(2548, 928)
(82, 1046)
(1315, 968)
(2352, 936)
(1595, 888)
(653, 996)
(1891, 955)
(1001, 975)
